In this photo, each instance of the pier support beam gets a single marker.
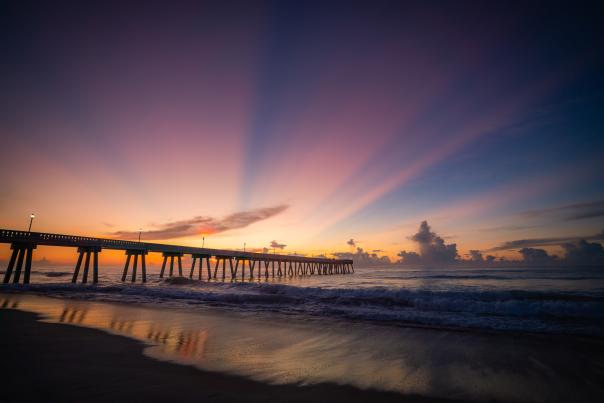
(223, 259)
(201, 257)
(171, 255)
(136, 253)
(233, 271)
(21, 252)
(290, 270)
(216, 267)
(87, 251)
(252, 265)
(242, 260)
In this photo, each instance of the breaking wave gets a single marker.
(519, 311)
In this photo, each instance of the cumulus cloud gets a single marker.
(43, 262)
(363, 258)
(277, 245)
(352, 242)
(536, 256)
(205, 225)
(432, 247)
(556, 241)
(409, 257)
(584, 253)
(476, 256)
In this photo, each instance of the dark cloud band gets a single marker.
(528, 243)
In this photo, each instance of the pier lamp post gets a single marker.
(203, 241)
(244, 246)
(140, 231)
(31, 219)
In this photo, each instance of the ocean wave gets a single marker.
(57, 274)
(531, 311)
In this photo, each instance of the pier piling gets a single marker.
(136, 253)
(21, 252)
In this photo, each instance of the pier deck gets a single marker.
(23, 243)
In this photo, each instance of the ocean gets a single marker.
(564, 300)
(514, 335)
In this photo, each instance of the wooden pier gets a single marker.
(23, 243)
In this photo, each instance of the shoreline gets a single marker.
(288, 361)
(60, 362)
(220, 309)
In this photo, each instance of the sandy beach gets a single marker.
(63, 363)
(62, 350)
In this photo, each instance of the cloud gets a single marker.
(536, 256)
(571, 212)
(476, 256)
(568, 212)
(377, 251)
(587, 214)
(352, 242)
(43, 262)
(363, 258)
(509, 228)
(432, 248)
(579, 253)
(584, 252)
(277, 245)
(409, 257)
(556, 241)
(205, 225)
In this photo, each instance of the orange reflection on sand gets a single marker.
(430, 362)
(188, 344)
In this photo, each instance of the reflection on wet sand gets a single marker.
(8, 303)
(186, 343)
(72, 315)
(439, 363)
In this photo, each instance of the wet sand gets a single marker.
(49, 362)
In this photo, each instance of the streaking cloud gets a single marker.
(554, 241)
(571, 212)
(206, 225)
(277, 245)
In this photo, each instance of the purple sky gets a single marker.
(308, 123)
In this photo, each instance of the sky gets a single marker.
(304, 124)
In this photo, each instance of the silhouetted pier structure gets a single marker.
(23, 244)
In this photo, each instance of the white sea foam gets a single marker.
(549, 311)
